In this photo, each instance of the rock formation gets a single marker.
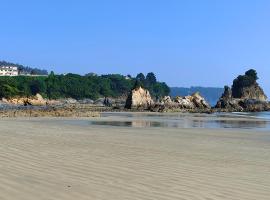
(252, 92)
(195, 101)
(166, 100)
(34, 101)
(245, 95)
(139, 98)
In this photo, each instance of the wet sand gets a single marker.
(52, 159)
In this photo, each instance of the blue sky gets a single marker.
(185, 42)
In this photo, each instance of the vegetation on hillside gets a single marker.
(157, 89)
(77, 86)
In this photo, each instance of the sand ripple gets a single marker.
(57, 161)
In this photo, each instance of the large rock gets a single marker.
(252, 92)
(195, 101)
(166, 100)
(246, 95)
(139, 98)
(249, 99)
(227, 93)
(34, 100)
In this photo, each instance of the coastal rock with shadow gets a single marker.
(191, 103)
(139, 98)
(245, 95)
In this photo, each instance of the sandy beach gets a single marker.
(53, 159)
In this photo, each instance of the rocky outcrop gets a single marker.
(252, 92)
(166, 100)
(227, 93)
(139, 98)
(194, 102)
(242, 105)
(49, 112)
(34, 101)
(243, 98)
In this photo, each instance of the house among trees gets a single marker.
(9, 71)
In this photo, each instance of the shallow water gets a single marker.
(191, 124)
(259, 121)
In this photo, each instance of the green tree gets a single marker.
(150, 79)
(37, 86)
(140, 77)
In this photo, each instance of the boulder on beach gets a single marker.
(36, 100)
(139, 98)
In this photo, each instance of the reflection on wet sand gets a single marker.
(187, 123)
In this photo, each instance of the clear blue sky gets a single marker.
(185, 42)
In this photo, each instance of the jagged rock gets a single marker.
(166, 100)
(199, 101)
(252, 92)
(34, 101)
(139, 98)
(192, 102)
(184, 102)
(227, 93)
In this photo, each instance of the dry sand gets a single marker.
(47, 159)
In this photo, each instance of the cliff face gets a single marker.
(252, 92)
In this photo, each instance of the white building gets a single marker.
(9, 71)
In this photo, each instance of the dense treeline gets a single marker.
(157, 89)
(25, 69)
(77, 86)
